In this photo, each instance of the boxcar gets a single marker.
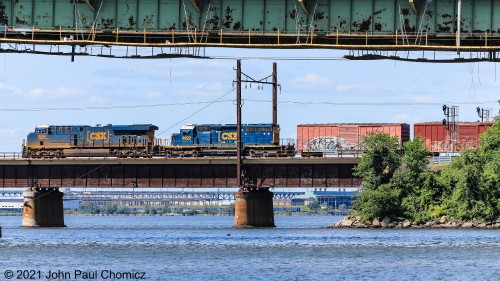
(439, 138)
(344, 137)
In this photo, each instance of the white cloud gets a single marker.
(8, 88)
(153, 95)
(36, 93)
(423, 99)
(209, 87)
(97, 100)
(312, 79)
(357, 88)
(211, 90)
(58, 93)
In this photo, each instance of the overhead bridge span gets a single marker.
(439, 25)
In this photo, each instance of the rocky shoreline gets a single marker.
(387, 222)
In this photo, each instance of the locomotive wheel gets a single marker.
(252, 153)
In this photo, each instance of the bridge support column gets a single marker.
(43, 207)
(254, 208)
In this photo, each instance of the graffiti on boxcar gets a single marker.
(449, 146)
(332, 144)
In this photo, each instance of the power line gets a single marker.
(220, 100)
(370, 103)
(197, 111)
(112, 107)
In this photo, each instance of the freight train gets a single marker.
(258, 140)
(442, 138)
(130, 141)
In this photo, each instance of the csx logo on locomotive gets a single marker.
(229, 136)
(98, 135)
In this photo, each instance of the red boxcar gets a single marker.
(438, 138)
(341, 137)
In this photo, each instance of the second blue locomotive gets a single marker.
(217, 139)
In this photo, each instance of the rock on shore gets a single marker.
(387, 222)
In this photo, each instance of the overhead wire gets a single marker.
(372, 103)
(111, 107)
(197, 111)
(220, 100)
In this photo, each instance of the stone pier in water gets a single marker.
(43, 207)
(254, 208)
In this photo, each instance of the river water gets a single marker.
(209, 248)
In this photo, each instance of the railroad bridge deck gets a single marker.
(181, 173)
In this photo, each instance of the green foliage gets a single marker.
(490, 140)
(89, 208)
(380, 161)
(380, 202)
(419, 203)
(400, 186)
(314, 206)
(123, 210)
(109, 209)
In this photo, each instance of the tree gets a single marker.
(314, 206)
(89, 208)
(109, 209)
(490, 140)
(123, 210)
(400, 186)
(380, 160)
(418, 188)
(379, 197)
(472, 181)
(380, 202)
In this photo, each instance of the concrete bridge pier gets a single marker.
(43, 207)
(254, 208)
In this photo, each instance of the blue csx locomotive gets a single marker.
(109, 140)
(139, 141)
(217, 139)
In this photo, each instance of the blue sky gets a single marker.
(168, 92)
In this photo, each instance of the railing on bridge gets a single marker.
(10, 155)
(337, 153)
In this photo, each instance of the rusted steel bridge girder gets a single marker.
(438, 25)
(180, 173)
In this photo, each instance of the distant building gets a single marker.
(14, 201)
